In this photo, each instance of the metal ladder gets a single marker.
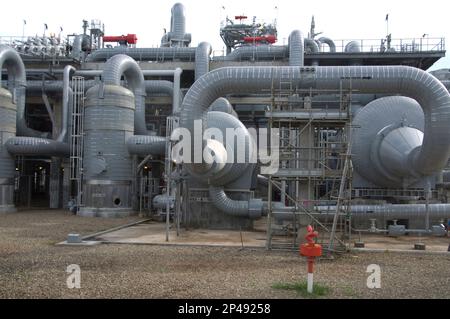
(76, 137)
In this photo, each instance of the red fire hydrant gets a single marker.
(311, 250)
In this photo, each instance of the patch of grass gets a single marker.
(302, 289)
(350, 292)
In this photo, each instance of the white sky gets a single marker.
(338, 19)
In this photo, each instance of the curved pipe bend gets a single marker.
(408, 81)
(311, 46)
(123, 65)
(17, 82)
(329, 42)
(252, 208)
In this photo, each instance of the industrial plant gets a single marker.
(350, 136)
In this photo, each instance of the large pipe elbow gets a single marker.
(252, 208)
(407, 81)
(17, 82)
(296, 50)
(329, 42)
(311, 46)
(14, 65)
(123, 65)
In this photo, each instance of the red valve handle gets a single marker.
(311, 234)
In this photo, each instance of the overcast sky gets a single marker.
(344, 19)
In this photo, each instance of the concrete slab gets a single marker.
(83, 243)
(155, 233)
(437, 244)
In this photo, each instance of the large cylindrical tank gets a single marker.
(7, 167)
(108, 123)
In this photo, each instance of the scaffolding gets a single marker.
(76, 139)
(172, 122)
(314, 164)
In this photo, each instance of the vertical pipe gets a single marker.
(176, 91)
(296, 50)
(65, 105)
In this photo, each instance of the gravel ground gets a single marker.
(31, 266)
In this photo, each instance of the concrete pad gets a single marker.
(437, 244)
(83, 243)
(155, 233)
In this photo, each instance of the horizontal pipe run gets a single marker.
(433, 97)
(34, 146)
(405, 211)
(144, 145)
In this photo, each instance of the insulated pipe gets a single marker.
(296, 50)
(123, 65)
(311, 45)
(260, 52)
(446, 83)
(143, 54)
(263, 180)
(32, 146)
(239, 208)
(17, 83)
(223, 105)
(436, 211)
(77, 46)
(65, 104)
(168, 88)
(177, 95)
(144, 145)
(151, 86)
(178, 22)
(329, 42)
(430, 157)
(202, 54)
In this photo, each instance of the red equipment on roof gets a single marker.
(129, 38)
(266, 38)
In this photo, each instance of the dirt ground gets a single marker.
(32, 266)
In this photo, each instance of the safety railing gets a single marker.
(407, 45)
